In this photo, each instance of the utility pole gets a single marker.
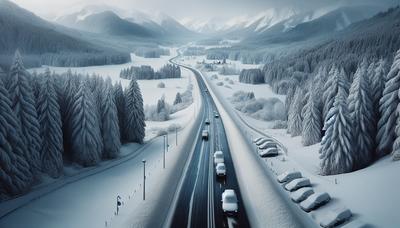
(144, 179)
(164, 151)
(176, 135)
(167, 142)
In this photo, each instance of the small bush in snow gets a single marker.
(230, 81)
(214, 76)
(220, 83)
(279, 124)
(161, 85)
(226, 86)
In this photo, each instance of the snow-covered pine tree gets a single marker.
(377, 74)
(15, 173)
(387, 109)
(110, 130)
(178, 98)
(396, 144)
(134, 112)
(312, 123)
(23, 105)
(336, 150)
(361, 111)
(86, 136)
(120, 104)
(3, 76)
(295, 125)
(51, 152)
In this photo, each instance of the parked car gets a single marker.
(263, 140)
(297, 183)
(218, 157)
(336, 217)
(207, 122)
(229, 201)
(314, 201)
(257, 139)
(273, 151)
(216, 115)
(204, 134)
(220, 170)
(301, 194)
(267, 145)
(288, 176)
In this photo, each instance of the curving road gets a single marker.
(199, 201)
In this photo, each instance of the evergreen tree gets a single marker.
(312, 123)
(120, 104)
(387, 109)
(134, 113)
(86, 136)
(15, 173)
(50, 128)
(110, 130)
(336, 151)
(360, 107)
(377, 74)
(295, 123)
(178, 98)
(23, 105)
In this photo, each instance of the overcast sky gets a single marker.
(196, 9)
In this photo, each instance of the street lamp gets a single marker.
(164, 151)
(144, 179)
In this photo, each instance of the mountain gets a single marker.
(106, 22)
(43, 42)
(299, 28)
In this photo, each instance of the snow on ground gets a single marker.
(361, 191)
(87, 197)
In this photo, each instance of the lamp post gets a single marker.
(165, 145)
(144, 179)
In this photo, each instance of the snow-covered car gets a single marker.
(207, 122)
(301, 194)
(288, 176)
(220, 170)
(267, 145)
(263, 140)
(273, 151)
(298, 183)
(314, 201)
(216, 115)
(229, 201)
(336, 217)
(218, 157)
(258, 139)
(204, 134)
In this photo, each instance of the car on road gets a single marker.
(216, 115)
(336, 217)
(206, 90)
(229, 201)
(288, 176)
(204, 134)
(314, 201)
(270, 152)
(207, 122)
(218, 157)
(298, 183)
(220, 170)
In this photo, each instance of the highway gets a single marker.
(199, 202)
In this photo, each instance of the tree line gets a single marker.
(49, 119)
(145, 72)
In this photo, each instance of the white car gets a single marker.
(288, 176)
(314, 201)
(336, 217)
(301, 194)
(204, 134)
(298, 183)
(229, 201)
(218, 157)
(220, 169)
(207, 121)
(266, 145)
(263, 140)
(273, 151)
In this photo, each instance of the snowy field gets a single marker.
(95, 189)
(358, 191)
